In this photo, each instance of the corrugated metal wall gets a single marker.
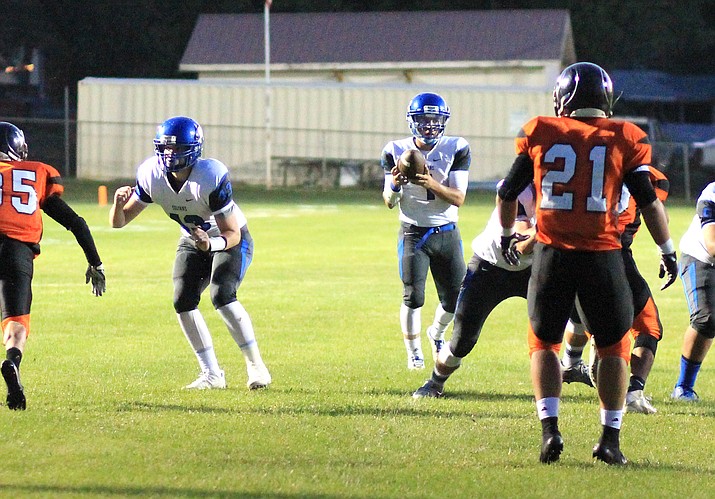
(117, 118)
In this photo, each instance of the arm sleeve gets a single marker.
(62, 213)
(640, 186)
(520, 175)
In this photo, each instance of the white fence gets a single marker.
(314, 127)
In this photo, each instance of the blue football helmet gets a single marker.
(427, 116)
(583, 85)
(12, 142)
(178, 143)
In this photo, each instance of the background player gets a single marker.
(429, 238)
(647, 329)
(579, 161)
(697, 271)
(28, 187)
(215, 247)
(489, 281)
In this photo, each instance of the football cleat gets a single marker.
(15, 393)
(415, 360)
(208, 381)
(551, 448)
(435, 343)
(577, 373)
(609, 454)
(258, 375)
(429, 390)
(637, 402)
(684, 394)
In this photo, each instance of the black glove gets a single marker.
(508, 247)
(99, 281)
(668, 267)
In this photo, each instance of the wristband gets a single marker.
(395, 188)
(218, 243)
(394, 197)
(507, 231)
(667, 247)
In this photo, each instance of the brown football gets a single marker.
(411, 163)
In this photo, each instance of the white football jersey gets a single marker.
(205, 193)
(448, 163)
(693, 242)
(487, 245)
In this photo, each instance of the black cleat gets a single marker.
(15, 394)
(429, 389)
(551, 448)
(609, 454)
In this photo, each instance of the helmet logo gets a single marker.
(431, 109)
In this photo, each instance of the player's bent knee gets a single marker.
(414, 299)
(17, 328)
(646, 341)
(704, 326)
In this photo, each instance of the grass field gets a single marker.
(107, 417)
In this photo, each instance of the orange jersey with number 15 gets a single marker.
(579, 167)
(25, 185)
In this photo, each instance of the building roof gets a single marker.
(339, 38)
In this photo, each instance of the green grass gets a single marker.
(107, 417)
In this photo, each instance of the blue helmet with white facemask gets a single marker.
(178, 143)
(427, 115)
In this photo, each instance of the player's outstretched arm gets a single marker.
(656, 219)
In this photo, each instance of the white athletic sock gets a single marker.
(547, 407)
(572, 355)
(240, 326)
(612, 418)
(194, 327)
(441, 322)
(411, 322)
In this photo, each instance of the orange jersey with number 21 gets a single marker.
(579, 165)
(25, 185)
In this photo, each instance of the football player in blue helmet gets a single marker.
(178, 143)
(215, 248)
(583, 89)
(12, 142)
(427, 115)
(429, 239)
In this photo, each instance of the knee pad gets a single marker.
(222, 295)
(413, 298)
(646, 341)
(704, 326)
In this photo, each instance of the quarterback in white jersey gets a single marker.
(429, 238)
(489, 281)
(697, 271)
(196, 193)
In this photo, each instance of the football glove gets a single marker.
(669, 268)
(99, 281)
(508, 247)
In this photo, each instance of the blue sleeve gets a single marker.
(143, 195)
(222, 195)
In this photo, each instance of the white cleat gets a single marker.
(416, 360)
(637, 402)
(208, 381)
(258, 376)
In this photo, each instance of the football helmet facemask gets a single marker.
(12, 142)
(427, 116)
(178, 143)
(583, 89)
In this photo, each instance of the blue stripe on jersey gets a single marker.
(222, 195)
(143, 195)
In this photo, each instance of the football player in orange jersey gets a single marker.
(579, 161)
(647, 329)
(28, 187)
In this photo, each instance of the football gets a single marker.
(411, 163)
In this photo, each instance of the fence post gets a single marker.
(686, 170)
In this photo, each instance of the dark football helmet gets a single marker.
(586, 86)
(12, 142)
(178, 144)
(427, 116)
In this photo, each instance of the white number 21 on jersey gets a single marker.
(595, 202)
